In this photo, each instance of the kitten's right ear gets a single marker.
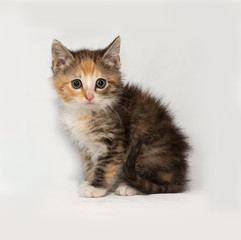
(61, 56)
(112, 54)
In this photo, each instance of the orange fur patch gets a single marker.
(110, 175)
(167, 177)
(87, 67)
(72, 92)
(85, 117)
(60, 86)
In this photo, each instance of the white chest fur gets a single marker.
(80, 131)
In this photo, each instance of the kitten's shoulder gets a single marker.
(136, 93)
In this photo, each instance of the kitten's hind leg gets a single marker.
(126, 190)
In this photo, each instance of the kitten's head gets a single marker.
(86, 79)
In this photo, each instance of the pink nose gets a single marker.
(89, 97)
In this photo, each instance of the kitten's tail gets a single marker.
(142, 184)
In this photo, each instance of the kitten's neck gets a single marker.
(74, 110)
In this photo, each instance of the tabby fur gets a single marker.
(128, 138)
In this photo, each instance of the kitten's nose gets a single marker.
(89, 97)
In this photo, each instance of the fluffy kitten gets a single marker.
(129, 142)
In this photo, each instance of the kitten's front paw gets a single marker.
(126, 190)
(86, 190)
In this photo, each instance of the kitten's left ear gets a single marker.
(112, 54)
(61, 56)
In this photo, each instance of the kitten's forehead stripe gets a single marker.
(87, 67)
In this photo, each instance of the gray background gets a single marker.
(187, 52)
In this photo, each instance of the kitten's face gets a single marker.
(87, 80)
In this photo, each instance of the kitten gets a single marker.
(128, 139)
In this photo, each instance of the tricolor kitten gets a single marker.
(129, 142)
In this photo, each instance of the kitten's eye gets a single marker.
(100, 83)
(76, 83)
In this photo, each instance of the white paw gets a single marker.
(85, 190)
(126, 190)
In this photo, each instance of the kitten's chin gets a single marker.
(85, 107)
(95, 107)
(90, 106)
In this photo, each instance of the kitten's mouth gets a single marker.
(90, 104)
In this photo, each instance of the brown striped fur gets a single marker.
(125, 134)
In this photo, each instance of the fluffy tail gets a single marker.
(142, 184)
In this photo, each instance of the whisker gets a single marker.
(115, 114)
(123, 107)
